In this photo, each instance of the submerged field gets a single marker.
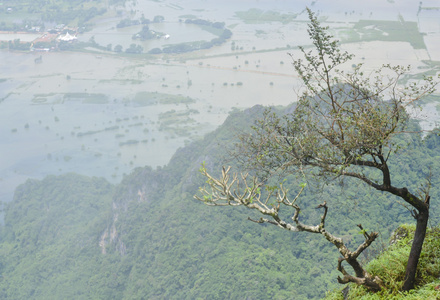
(103, 114)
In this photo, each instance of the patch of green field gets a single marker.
(121, 81)
(145, 98)
(175, 6)
(177, 122)
(87, 98)
(430, 99)
(176, 99)
(5, 97)
(136, 124)
(213, 30)
(48, 98)
(11, 17)
(45, 95)
(188, 16)
(173, 114)
(255, 15)
(90, 132)
(129, 142)
(39, 100)
(394, 31)
(116, 127)
(152, 98)
(47, 75)
(431, 8)
(432, 68)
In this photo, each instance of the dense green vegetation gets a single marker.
(254, 15)
(404, 31)
(50, 237)
(75, 237)
(35, 13)
(216, 28)
(82, 238)
(390, 265)
(343, 126)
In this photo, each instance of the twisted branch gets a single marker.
(235, 191)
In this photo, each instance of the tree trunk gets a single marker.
(373, 284)
(416, 248)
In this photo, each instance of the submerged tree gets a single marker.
(345, 124)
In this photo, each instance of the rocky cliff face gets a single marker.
(147, 188)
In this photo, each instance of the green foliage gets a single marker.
(134, 49)
(152, 98)
(391, 264)
(167, 246)
(216, 28)
(345, 125)
(127, 22)
(255, 15)
(146, 34)
(49, 239)
(401, 30)
(89, 98)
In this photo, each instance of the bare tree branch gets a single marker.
(345, 122)
(230, 191)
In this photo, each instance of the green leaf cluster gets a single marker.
(390, 266)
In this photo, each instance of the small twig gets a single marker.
(256, 221)
(367, 236)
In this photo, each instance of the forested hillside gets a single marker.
(147, 238)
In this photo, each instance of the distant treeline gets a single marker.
(219, 25)
(61, 12)
(224, 35)
(128, 22)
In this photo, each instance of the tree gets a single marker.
(158, 19)
(345, 125)
(118, 48)
(134, 49)
(144, 34)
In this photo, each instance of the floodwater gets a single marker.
(106, 33)
(50, 127)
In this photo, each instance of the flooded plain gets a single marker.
(103, 114)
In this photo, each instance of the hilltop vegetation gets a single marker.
(76, 237)
(146, 238)
(48, 238)
(390, 265)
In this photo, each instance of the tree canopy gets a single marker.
(346, 124)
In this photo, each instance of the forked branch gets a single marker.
(238, 190)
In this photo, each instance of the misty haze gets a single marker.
(109, 107)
